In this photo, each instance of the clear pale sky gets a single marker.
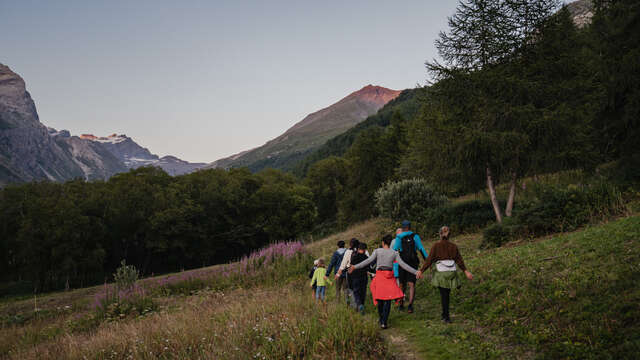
(206, 79)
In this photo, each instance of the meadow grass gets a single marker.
(568, 296)
(572, 296)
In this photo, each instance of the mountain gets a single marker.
(313, 131)
(29, 152)
(405, 106)
(133, 155)
(581, 12)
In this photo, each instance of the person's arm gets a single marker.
(345, 260)
(332, 264)
(458, 259)
(429, 260)
(403, 264)
(327, 280)
(313, 279)
(311, 272)
(366, 262)
(396, 270)
(419, 247)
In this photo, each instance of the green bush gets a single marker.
(407, 199)
(556, 208)
(126, 276)
(464, 217)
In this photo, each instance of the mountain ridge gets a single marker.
(313, 130)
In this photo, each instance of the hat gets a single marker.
(406, 223)
(315, 262)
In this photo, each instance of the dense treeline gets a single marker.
(522, 91)
(77, 233)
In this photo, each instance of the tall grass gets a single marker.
(273, 323)
(276, 263)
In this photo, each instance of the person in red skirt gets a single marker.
(384, 288)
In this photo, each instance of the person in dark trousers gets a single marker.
(344, 266)
(446, 257)
(408, 244)
(314, 285)
(359, 278)
(336, 260)
(383, 287)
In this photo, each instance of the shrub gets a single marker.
(407, 199)
(465, 217)
(558, 208)
(125, 276)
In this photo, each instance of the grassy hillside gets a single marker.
(568, 296)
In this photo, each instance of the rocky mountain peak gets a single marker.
(375, 94)
(15, 102)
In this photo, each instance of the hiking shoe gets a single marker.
(410, 309)
(383, 326)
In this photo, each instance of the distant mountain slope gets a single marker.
(406, 105)
(134, 156)
(313, 131)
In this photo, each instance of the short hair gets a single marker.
(341, 243)
(387, 239)
(362, 246)
(320, 261)
(353, 243)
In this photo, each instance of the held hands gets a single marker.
(350, 270)
(469, 275)
(338, 274)
(419, 274)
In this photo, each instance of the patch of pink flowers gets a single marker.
(249, 265)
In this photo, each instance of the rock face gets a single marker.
(30, 151)
(27, 151)
(133, 156)
(313, 131)
(582, 12)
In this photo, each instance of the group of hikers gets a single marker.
(394, 269)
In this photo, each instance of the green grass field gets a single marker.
(570, 296)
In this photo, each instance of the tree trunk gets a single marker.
(512, 195)
(492, 194)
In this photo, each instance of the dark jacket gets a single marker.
(360, 274)
(336, 259)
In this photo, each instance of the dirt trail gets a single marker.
(401, 348)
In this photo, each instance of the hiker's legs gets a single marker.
(384, 307)
(339, 287)
(412, 291)
(320, 292)
(444, 298)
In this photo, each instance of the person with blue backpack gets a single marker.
(336, 260)
(408, 244)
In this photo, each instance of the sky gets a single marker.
(203, 80)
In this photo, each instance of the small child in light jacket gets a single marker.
(320, 279)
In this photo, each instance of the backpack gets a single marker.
(408, 253)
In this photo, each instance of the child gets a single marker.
(445, 255)
(320, 280)
(359, 277)
(383, 287)
(313, 283)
